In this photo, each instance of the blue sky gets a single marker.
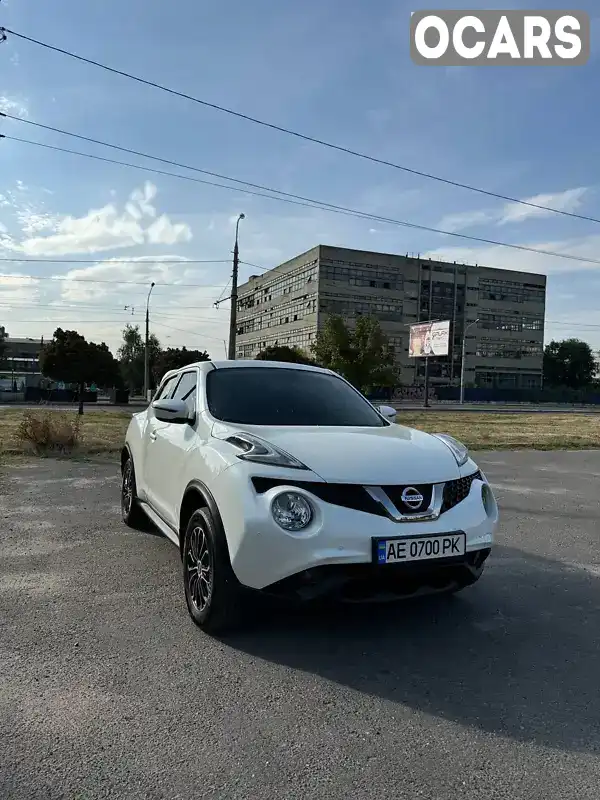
(328, 68)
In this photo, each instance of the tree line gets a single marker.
(70, 358)
(361, 353)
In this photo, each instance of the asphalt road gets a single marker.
(108, 690)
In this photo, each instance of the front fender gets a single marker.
(133, 447)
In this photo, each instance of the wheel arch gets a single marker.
(125, 454)
(196, 496)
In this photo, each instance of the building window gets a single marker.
(504, 322)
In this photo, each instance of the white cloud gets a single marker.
(181, 309)
(569, 200)
(34, 222)
(143, 197)
(104, 229)
(6, 241)
(16, 106)
(464, 220)
(29, 212)
(506, 258)
(115, 275)
(163, 231)
(16, 288)
(100, 229)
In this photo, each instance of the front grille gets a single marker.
(356, 497)
(346, 495)
(457, 491)
(395, 495)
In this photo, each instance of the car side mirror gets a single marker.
(388, 412)
(173, 411)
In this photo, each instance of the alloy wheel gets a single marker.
(199, 569)
(127, 490)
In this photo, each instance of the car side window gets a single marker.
(166, 389)
(186, 389)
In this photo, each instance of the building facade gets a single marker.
(504, 349)
(20, 365)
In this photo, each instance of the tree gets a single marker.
(284, 353)
(569, 363)
(363, 356)
(70, 358)
(176, 358)
(131, 356)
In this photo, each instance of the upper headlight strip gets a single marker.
(261, 452)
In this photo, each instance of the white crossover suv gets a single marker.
(283, 478)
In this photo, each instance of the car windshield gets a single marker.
(281, 396)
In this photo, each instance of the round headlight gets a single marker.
(291, 511)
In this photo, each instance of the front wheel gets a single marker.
(132, 514)
(212, 592)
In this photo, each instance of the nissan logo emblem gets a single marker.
(412, 498)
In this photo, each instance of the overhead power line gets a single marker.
(167, 161)
(113, 282)
(320, 205)
(60, 305)
(109, 261)
(290, 132)
(189, 333)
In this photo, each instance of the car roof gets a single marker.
(208, 366)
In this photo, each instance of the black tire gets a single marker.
(214, 597)
(132, 514)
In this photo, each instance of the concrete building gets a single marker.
(290, 303)
(21, 363)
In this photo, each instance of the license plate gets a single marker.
(414, 548)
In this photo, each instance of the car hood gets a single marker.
(373, 456)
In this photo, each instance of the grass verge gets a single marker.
(103, 432)
(100, 432)
(489, 431)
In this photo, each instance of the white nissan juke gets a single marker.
(283, 478)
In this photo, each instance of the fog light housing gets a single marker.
(291, 511)
(488, 500)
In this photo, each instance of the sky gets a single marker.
(330, 69)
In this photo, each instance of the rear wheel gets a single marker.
(130, 509)
(212, 592)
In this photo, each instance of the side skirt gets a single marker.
(162, 526)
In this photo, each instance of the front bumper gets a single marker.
(264, 557)
(363, 583)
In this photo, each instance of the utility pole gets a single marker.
(234, 292)
(426, 387)
(462, 362)
(146, 349)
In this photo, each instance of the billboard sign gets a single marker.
(429, 339)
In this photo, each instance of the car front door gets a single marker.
(152, 471)
(169, 449)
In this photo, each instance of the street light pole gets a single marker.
(234, 292)
(462, 362)
(146, 348)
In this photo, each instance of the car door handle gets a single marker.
(153, 436)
